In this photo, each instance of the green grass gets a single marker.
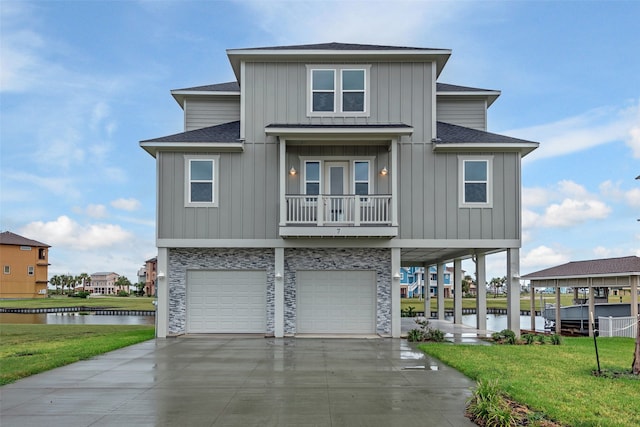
(30, 349)
(118, 303)
(556, 380)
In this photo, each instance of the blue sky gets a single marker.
(81, 82)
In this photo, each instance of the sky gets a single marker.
(82, 82)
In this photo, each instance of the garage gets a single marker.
(336, 302)
(224, 301)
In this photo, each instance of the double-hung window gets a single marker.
(338, 90)
(475, 180)
(361, 178)
(201, 181)
(30, 270)
(311, 179)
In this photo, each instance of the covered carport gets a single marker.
(598, 273)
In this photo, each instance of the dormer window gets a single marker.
(338, 90)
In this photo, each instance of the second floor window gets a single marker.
(338, 90)
(201, 183)
(7, 269)
(30, 270)
(476, 188)
(361, 177)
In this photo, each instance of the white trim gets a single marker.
(243, 97)
(215, 165)
(523, 147)
(204, 92)
(339, 232)
(626, 274)
(6, 269)
(31, 270)
(335, 243)
(368, 131)
(462, 203)
(434, 103)
(154, 148)
(283, 179)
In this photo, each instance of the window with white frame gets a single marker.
(201, 181)
(312, 177)
(338, 90)
(475, 179)
(30, 270)
(361, 177)
(7, 269)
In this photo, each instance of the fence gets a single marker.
(618, 326)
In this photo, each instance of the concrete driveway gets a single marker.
(244, 381)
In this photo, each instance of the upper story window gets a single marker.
(7, 269)
(42, 253)
(361, 177)
(201, 180)
(476, 186)
(338, 90)
(312, 178)
(30, 270)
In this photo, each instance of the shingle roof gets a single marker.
(595, 267)
(226, 132)
(219, 87)
(339, 46)
(9, 238)
(446, 87)
(340, 126)
(454, 134)
(235, 87)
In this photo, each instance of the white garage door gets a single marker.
(336, 302)
(226, 301)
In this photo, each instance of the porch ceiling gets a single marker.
(419, 256)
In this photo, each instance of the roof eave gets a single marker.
(583, 276)
(490, 95)
(180, 95)
(236, 56)
(154, 147)
(523, 148)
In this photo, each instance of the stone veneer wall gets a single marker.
(378, 260)
(183, 259)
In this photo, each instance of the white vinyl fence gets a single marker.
(617, 326)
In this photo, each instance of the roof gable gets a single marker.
(9, 238)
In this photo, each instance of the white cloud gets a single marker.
(67, 233)
(534, 196)
(614, 192)
(592, 128)
(130, 204)
(572, 212)
(542, 257)
(96, 211)
(529, 218)
(60, 186)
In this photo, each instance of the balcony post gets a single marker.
(394, 182)
(356, 213)
(320, 210)
(283, 180)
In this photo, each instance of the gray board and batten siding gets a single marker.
(464, 111)
(204, 111)
(277, 93)
(428, 195)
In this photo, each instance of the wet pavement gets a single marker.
(245, 381)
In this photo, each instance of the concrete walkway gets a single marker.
(244, 381)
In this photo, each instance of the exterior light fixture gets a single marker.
(396, 276)
(278, 275)
(384, 171)
(292, 171)
(160, 275)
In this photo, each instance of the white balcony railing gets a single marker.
(347, 210)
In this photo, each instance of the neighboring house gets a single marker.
(295, 193)
(412, 282)
(151, 272)
(25, 266)
(598, 275)
(103, 283)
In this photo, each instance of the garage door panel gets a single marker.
(336, 302)
(226, 301)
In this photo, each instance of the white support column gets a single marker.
(440, 296)
(457, 291)
(279, 293)
(396, 324)
(481, 292)
(162, 291)
(283, 181)
(394, 182)
(513, 290)
(426, 282)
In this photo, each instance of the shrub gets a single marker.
(408, 312)
(487, 406)
(81, 294)
(123, 293)
(555, 339)
(528, 338)
(425, 333)
(414, 335)
(505, 336)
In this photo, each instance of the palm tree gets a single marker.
(84, 279)
(56, 281)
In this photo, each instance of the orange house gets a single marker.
(25, 265)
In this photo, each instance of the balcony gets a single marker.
(338, 216)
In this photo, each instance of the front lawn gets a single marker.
(30, 349)
(557, 380)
